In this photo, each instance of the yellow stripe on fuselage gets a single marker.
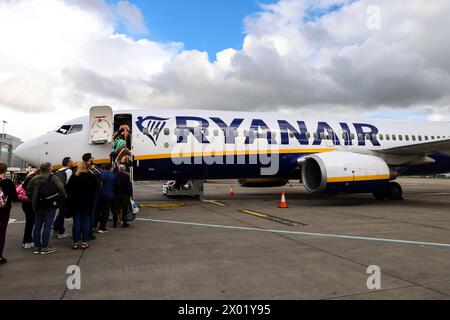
(228, 153)
(359, 178)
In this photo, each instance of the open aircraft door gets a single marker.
(100, 125)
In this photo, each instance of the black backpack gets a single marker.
(49, 190)
(62, 175)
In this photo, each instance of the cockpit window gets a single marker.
(75, 128)
(70, 129)
(63, 129)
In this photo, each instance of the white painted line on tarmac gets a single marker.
(313, 234)
(15, 221)
(12, 220)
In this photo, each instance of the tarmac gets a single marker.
(245, 247)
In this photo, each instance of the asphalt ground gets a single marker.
(245, 247)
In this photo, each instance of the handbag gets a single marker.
(134, 207)
(21, 193)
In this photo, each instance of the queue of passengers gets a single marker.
(85, 193)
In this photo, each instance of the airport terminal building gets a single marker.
(8, 144)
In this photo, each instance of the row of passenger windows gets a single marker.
(323, 136)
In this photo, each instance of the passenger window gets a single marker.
(413, 138)
(308, 135)
(206, 132)
(216, 132)
(426, 138)
(407, 138)
(315, 135)
(236, 133)
(367, 136)
(394, 137)
(352, 136)
(420, 138)
(322, 135)
(432, 137)
(400, 137)
(374, 137)
(63, 129)
(360, 136)
(388, 137)
(166, 131)
(291, 135)
(381, 137)
(75, 128)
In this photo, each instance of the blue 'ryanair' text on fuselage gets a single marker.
(196, 126)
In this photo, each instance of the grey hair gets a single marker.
(122, 168)
(45, 167)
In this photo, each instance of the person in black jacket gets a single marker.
(123, 193)
(8, 194)
(27, 207)
(81, 191)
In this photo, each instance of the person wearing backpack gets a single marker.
(45, 192)
(64, 175)
(8, 194)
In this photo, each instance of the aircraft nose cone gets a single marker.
(29, 152)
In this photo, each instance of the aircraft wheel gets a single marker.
(379, 195)
(394, 191)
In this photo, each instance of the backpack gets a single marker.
(3, 199)
(62, 175)
(49, 194)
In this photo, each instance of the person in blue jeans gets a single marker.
(44, 209)
(43, 218)
(82, 189)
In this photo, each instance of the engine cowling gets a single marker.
(345, 172)
(262, 183)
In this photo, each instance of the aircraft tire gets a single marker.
(394, 191)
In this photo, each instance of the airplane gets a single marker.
(327, 154)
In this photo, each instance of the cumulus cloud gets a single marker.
(296, 56)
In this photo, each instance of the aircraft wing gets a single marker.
(420, 148)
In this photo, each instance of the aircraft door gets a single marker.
(100, 125)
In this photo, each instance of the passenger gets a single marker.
(64, 175)
(7, 195)
(124, 131)
(81, 189)
(89, 160)
(123, 193)
(27, 207)
(120, 151)
(45, 192)
(106, 197)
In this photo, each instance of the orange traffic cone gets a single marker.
(283, 203)
(231, 191)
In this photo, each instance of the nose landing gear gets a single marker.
(392, 191)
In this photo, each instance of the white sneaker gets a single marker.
(28, 245)
(63, 236)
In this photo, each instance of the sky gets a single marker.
(205, 25)
(361, 58)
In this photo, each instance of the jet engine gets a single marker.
(345, 172)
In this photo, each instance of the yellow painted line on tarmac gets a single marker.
(215, 202)
(155, 205)
(273, 218)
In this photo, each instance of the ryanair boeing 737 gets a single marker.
(327, 154)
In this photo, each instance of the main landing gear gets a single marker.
(392, 191)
